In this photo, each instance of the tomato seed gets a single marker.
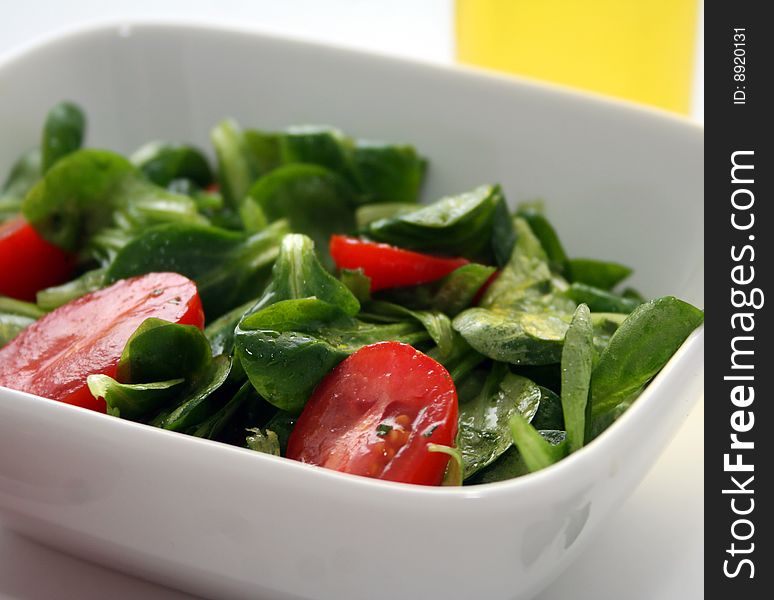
(403, 420)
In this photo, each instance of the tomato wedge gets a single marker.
(28, 263)
(54, 355)
(390, 266)
(375, 414)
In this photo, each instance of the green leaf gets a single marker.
(163, 351)
(357, 282)
(368, 213)
(511, 464)
(378, 172)
(263, 150)
(12, 325)
(132, 401)
(281, 354)
(209, 203)
(199, 401)
(526, 282)
(436, 323)
(550, 415)
(63, 133)
(453, 474)
(76, 197)
(600, 300)
(460, 360)
(24, 173)
(228, 267)
(503, 233)
(54, 297)
(470, 386)
(536, 451)
(484, 432)
(605, 325)
(236, 172)
(315, 201)
(600, 274)
(139, 204)
(252, 216)
(541, 227)
(220, 332)
(288, 347)
(164, 162)
(282, 424)
(639, 349)
(159, 350)
(459, 288)
(577, 358)
(387, 173)
(451, 294)
(89, 190)
(519, 338)
(297, 273)
(106, 243)
(634, 295)
(455, 225)
(213, 426)
(266, 442)
(11, 306)
(316, 145)
(603, 421)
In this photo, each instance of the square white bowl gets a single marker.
(215, 520)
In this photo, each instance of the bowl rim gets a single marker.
(124, 27)
(623, 427)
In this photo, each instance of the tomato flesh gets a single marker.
(53, 356)
(28, 263)
(390, 266)
(375, 414)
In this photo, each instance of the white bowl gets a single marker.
(215, 520)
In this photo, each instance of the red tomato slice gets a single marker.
(390, 266)
(28, 263)
(54, 355)
(375, 414)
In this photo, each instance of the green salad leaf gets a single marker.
(604, 275)
(577, 359)
(537, 451)
(516, 337)
(89, 190)
(484, 431)
(228, 267)
(459, 225)
(639, 349)
(600, 300)
(131, 400)
(314, 201)
(165, 162)
(63, 133)
(24, 174)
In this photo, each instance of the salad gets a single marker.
(298, 301)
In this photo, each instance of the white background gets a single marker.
(652, 549)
